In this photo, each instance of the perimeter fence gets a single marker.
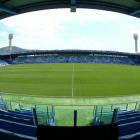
(64, 115)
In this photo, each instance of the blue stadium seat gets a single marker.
(18, 128)
(128, 120)
(120, 117)
(135, 136)
(21, 113)
(16, 115)
(8, 135)
(24, 111)
(3, 62)
(70, 58)
(130, 128)
(127, 112)
(18, 120)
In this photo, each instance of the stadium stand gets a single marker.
(23, 120)
(16, 115)
(72, 59)
(138, 63)
(18, 120)
(19, 128)
(21, 113)
(128, 120)
(71, 56)
(128, 124)
(22, 123)
(3, 63)
(8, 135)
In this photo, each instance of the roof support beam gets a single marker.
(4, 1)
(73, 2)
(73, 5)
(135, 11)
(7, 9)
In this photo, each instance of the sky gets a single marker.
(58, 29)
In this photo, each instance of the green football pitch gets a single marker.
(70, 80)
(69, 87)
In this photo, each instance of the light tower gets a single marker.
(136, 44)
(10, 41)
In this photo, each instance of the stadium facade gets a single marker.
(70, 56)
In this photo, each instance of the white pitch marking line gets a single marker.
(72, 78)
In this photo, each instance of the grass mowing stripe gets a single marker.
(89, 80)
(72, 78)
(26, 95)
(81, 103)
(92, 80)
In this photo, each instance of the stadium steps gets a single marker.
(16, 115)
(16, 59)
(129, 128)
(135, 136)
(126, 116)
(18, 120)
(131, 61)
(128, 120)
(2, 62)
(8, 135)
(21, 113)
(18, 128)
(129, 125)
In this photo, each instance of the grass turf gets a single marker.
(66, 79)
(70, 79)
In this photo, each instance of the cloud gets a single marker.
(87, 44)
(3, 34)
(129, 29)
(36, 29)
(61, 29)
(46, 23)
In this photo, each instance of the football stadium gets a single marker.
(92, 90)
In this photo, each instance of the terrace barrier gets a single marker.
(64, 116)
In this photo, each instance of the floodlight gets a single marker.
(136, 36)
(136, 44)
(10, 36)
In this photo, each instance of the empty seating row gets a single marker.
(135, 136)
(21, 113)
(18, 128)
(8, 135)
(18, 120)
(3, 63)
(128, 123)
(24, 111)
(135, 114)
(126, 112)
(129, 128)
(72, 59)
(128, 120)
(20, 124)
(16, 115)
